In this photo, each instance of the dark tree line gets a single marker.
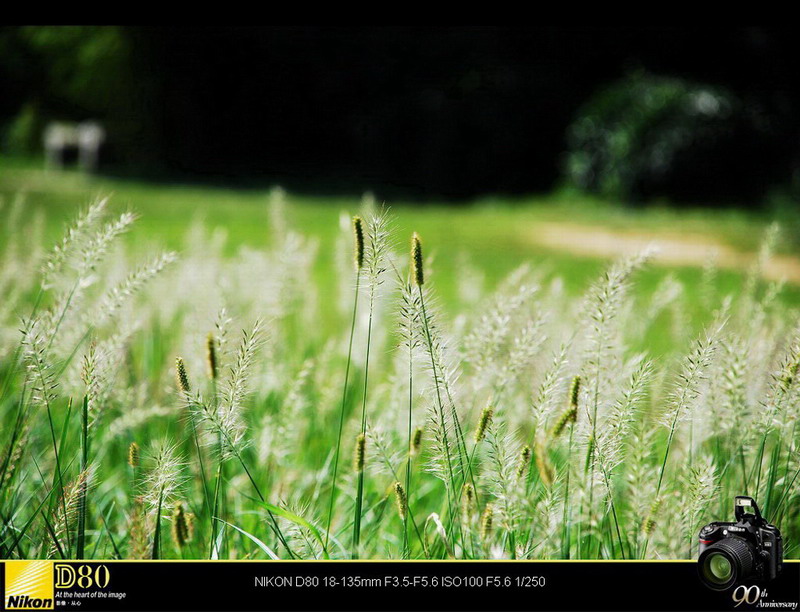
(423, 111)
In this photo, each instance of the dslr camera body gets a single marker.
(731, 552)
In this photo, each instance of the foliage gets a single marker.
(632, 134)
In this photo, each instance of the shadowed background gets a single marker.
(422, 112)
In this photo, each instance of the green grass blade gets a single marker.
(270, 553)
(300, 521)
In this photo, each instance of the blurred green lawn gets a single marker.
(494, 233)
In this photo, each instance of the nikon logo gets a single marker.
(29, 585)
(734, 528)
(23, 602)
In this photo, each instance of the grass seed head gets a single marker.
(790, 373)
(570, 414)
(591, 446)
(483, 423)
(181, 377)
(416, 441)
(13, 454)
(66, 512)
(487, 522)
(543, 462)
(182, 525)
(360, 453)
(137, 528)
(524, 461)
(417, 266)
(165, 476)
(649, 522)
(468, 498)
(566, 418)
(574, 392)
(211, 356)
(358, 238)
(133, 455)
(400, 499)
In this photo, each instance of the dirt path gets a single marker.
(672, 249)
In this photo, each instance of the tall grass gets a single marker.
(581, 440)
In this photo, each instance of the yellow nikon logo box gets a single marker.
(29, 585)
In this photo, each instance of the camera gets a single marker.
(749, 548)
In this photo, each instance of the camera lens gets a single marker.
(726, 562)
(718, 568)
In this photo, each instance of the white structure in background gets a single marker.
(87, 137)
(91, 137)
(58, 137)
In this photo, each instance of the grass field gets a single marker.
(562, 400)
(495, 235)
